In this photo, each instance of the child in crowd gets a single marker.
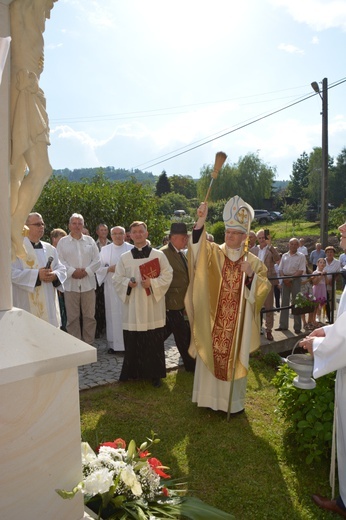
(319, 288)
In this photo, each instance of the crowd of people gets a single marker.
(211, 297)
(93, 287)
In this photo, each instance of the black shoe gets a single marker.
(111, 351)
(156, 382)
(280, 328)
(297, 331)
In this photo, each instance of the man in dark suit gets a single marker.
(176, 321)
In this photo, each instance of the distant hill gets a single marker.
(111, 173)
(280, 185)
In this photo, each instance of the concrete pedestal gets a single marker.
(39, 416)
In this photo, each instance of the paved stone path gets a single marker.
(108, 367)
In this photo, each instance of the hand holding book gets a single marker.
(150, 269)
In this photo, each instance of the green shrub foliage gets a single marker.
(100, 201)
(308, 413)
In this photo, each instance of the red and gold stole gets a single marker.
(224, 329)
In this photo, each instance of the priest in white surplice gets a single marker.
(109, 256)
(328, 346)
(144, 312)
(33, 284)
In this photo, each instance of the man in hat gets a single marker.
(327, 345)
(175, 308)
(213, 303)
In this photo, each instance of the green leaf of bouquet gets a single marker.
(118, 500)
(195, 509)
(67, 494)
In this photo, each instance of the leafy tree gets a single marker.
(255, 179)
(299, 180)
(336, 217)
(162, 186)
(169, 202)
(100, 200)
(315, 175)
(337, 180)
(215, 211)
(184, 184)
(250, 178)
(295, 212)
(224, 186)
(218, 231)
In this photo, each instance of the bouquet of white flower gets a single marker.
(120, 483)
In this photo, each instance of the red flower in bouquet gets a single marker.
(123, 482)
(157, 467)
(117, 443)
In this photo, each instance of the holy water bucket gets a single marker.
(303, 366)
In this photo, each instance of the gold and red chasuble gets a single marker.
(224, 329)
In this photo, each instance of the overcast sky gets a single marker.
(130, 83)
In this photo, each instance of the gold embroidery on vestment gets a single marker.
(226, 318)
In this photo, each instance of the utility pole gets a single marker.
(324, 177)
(324, 193)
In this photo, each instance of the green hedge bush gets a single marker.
(308, 413)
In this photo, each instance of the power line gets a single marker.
(167, 110)
(260, 118)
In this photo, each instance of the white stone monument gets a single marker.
(39, 392)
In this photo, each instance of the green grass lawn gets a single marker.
(247, 466)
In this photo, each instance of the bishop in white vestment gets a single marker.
(213, 304)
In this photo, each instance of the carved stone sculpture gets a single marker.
(30, 167)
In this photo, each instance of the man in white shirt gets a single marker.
(302, 248)
(292, 264)
(109, 257)
(80, 255)
(36, 276)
